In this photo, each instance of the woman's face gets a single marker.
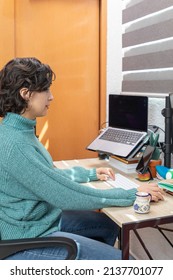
(38, 104)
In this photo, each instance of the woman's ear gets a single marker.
(25, 94)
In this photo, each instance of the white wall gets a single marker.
(114, 46)
(114, 63)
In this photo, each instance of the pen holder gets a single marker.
(152, 166)
(142, 203)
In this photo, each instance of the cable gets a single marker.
(102, 125)
(155, 128)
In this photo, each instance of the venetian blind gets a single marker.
(147, 42)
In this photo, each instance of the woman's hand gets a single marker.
(156, 192)
(104, 173)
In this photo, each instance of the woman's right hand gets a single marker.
(152, 188)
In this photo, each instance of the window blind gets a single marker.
(147, 42)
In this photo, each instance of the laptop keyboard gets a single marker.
(121, 136)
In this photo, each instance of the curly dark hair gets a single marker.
(20, 73)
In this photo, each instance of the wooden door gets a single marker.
(66, 35)
(7, 31)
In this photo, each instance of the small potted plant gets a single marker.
(155, 160)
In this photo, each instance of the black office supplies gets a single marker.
(142, 166)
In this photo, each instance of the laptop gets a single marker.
(127, 127)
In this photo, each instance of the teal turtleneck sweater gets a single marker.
(33, 193)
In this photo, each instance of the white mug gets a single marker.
(142, 202)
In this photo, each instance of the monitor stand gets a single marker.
(167, 112)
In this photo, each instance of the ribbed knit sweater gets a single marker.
(33, 192)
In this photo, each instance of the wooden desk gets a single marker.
(160, 213)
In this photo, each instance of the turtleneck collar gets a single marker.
(18, 121)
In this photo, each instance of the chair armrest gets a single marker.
(9, 247)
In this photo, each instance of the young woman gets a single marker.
(37, 199)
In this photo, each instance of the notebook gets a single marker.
(127, 127)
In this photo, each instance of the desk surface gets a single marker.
(122, 215)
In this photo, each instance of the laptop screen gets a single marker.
(128, 112)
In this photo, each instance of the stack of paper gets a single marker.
(127, 166)
(166, 184)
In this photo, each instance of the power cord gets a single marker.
(154, 128)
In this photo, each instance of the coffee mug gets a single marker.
(142, 202)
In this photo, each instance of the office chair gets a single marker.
(10, 247)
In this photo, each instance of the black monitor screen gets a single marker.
(128, 112)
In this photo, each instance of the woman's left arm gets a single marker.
(80, 174)
(83, 175)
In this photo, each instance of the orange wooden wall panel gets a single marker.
(7, 49)
(65, 34)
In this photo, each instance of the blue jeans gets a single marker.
(94, 233)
